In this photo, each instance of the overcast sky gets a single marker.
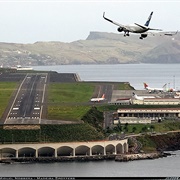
(29, 21)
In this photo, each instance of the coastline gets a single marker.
(117, 158)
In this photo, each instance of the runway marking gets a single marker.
(42, 99)
(15, 108)
(30, 95)
(15, 98)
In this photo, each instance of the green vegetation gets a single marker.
(148, 144)
(52, 133)
(70, 92)
(125, 86)
(69, 101)
(94, 118)
(67, 112)
(66, 100)
(164, 126)
(6, 90)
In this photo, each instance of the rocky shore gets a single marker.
(120, 158)
(140, 156)
(58, 159)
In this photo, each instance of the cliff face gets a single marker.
(167, 142)
(98, 48)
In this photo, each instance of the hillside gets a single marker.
(98, 48)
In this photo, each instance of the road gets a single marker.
(27, 105)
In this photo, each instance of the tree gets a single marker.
(134, 129)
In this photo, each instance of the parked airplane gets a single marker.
(98, 99)
(150, 89)
(166, 89)
(141, 97)
(134, 28)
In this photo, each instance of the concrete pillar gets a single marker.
(90, 151)
(123, 149)
(55, 153)
(16, 153)
(74, 154)
(127, 147)
(104, 150)
(115, 150)
(36, 153)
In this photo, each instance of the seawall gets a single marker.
(119, 158)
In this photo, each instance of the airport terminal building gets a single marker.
(146, 115)
(157, 101)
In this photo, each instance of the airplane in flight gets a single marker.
(98, 99)
(150, 89)
(134, 28)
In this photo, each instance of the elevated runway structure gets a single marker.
(63, 149)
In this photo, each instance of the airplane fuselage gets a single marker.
(133, 28)
(97, 99)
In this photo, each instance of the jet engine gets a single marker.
(120, 29)
(143, 36)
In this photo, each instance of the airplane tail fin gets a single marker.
(165, 87)
(145, 85)
(134, 95)
(149, 19)
(103, 96)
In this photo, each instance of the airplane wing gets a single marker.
(117, 24)
(154, 29)
(145, 27)
(162, 33)
(171, 34)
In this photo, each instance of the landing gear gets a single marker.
(126, 33)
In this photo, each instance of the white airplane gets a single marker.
(98, 99)
(141, 97)
(150, 89)
(171, 90)
(134, 28)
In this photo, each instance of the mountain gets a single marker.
(98, 48)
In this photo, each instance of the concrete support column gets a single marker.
(123, 149)
(115, 150)
(36, 153)
(74, 154)
(55, 153)
(127, 147)
(90, 151)
(104, 151)
(16, 153)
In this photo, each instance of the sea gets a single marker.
(156, 75)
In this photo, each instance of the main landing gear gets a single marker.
(126, 34)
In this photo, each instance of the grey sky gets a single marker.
(28, 21)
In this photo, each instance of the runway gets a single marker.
(27, 106)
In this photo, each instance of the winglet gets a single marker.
(103, 14)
